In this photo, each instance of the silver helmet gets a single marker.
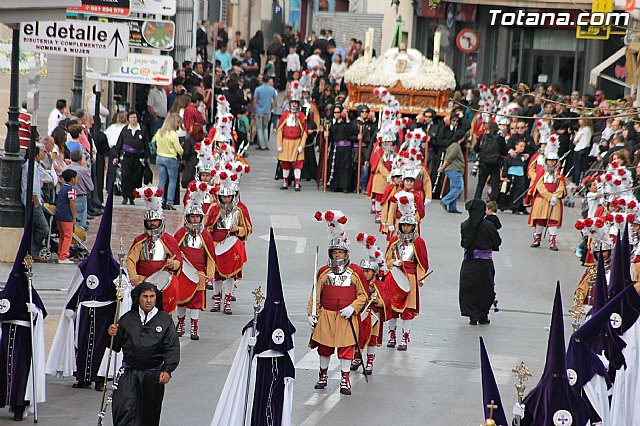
(370, 264)
(410, 173)
(408, 219)
(194, 228)
(204, 167)
(338, 266)
(150, 215)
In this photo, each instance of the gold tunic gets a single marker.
(332, 329)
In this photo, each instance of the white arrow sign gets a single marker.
(301, 242)
(76, 38)
(154, 7)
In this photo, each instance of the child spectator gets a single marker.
(66, 214)
(490, 214)
(293, 62)
(514, 170)
(244, 130)
(270, 67)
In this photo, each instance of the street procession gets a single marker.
(306, 212)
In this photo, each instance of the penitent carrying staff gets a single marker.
(151, 348)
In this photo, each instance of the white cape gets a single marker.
(625, 402)
(597, 393)
(62, 356)
(38, 341)
(230, 408)
(116, 361)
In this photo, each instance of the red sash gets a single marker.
(197, 257)
(219, 235)
(335, 298)
(148, 267)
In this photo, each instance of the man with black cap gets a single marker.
(151, 348)
(479, 238)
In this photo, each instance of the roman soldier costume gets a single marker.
(384, 152)
(229, 224)
(292, 137)
(409, 262)
(155, 256)
(198, 265)
(378, 309)
(395, 211)
(392, 188)
(312, 120)
(547, 195)
(413, 163)
(338, 294)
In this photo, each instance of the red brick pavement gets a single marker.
(127, 224)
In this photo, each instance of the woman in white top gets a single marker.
(338, 69)
(582, 143)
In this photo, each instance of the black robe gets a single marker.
(135, 148)
(148, 350)
(477, 275)
(340, 159)
(92, 330)
(15, 359)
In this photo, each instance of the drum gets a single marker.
(168, 285)
(231, 255)
(399, 287)
(161, 279)
(188, 280)
(226, 244)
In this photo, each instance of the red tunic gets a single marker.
(291, 132)
(199, 259)
(149, 267)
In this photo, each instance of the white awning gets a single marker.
(599, 69)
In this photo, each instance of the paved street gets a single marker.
(437, 379)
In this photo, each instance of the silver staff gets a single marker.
(522, 373)
(119, 295)
(258, 295)
(28, 264)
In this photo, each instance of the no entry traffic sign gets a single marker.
(104, 7)
(75, 38)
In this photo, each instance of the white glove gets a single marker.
(518, 409)
(347, 312)
(252, 341)
(313, 320)
(553, 201)
(69, 313)
(392, 228)
(279, 149)
(427, 201)
(397, 263)
(31, 307)
(300, 150)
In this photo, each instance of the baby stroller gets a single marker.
(77, 249)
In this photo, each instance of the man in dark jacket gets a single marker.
(490, 149)
(151, 350)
